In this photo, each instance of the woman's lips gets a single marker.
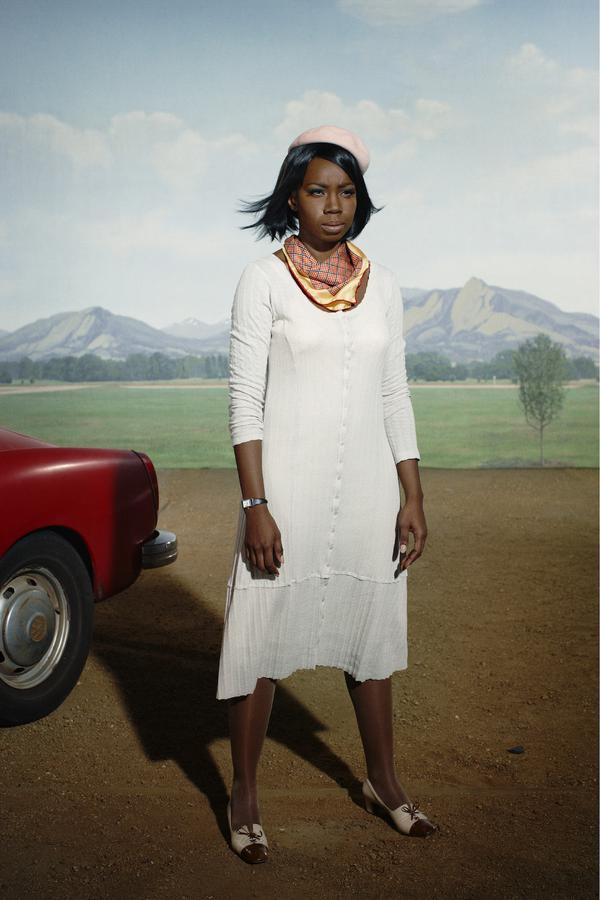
(333, 226)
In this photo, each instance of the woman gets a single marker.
(322, 426)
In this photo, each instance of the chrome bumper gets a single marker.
(159, 550)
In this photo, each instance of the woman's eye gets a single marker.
(348, 192)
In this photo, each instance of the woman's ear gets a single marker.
(292, 202)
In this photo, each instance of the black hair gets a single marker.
(278, 219)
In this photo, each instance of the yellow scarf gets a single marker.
(345, 298)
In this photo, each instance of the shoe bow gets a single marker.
(412, 809)
(254, 836)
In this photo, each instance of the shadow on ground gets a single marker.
(168, 685)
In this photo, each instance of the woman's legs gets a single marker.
(248, 723)
(372, 701)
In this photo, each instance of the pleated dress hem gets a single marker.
(327, 622)
(286, 674)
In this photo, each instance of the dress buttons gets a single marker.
(343, 407)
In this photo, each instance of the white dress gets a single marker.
(327, 394)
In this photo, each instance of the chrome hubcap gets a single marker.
(34, 626)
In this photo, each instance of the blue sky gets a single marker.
(130, 131)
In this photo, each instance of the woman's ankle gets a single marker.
(388, 788)
(244, 790)
(244, 803)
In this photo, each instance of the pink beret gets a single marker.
(331, 134)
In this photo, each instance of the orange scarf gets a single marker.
(331, 283)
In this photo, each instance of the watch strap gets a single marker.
(253, 501)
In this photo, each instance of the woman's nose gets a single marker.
(332, 204)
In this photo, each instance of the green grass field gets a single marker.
(186, 427)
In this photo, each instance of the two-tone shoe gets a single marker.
(407, 817)
(248, 841)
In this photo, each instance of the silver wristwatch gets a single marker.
(253, 501)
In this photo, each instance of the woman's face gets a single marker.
(325, 204)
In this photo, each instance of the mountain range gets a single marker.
(479, 320)
(214, 337)
(475, 321)
(93, 330)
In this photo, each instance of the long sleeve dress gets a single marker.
(327, 395)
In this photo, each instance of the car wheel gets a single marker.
(46, 622)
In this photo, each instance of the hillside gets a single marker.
(93, 330)
(473, 322)
(479, 320)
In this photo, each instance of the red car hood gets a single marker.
(12, 440)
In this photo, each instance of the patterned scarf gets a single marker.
(332, 283)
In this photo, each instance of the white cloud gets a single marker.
(163, 142)
(83, 147)
(569, 279)
(403, 199)
(9, 288)
(136, 122)
(560, 95)
(556, 184)
(584, 126)
(155, 233)
(180, 155)
(431, 117)
(578, 166)
(530, 60)
(404, 12)
(426, 121)
(183, 161)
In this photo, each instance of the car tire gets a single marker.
(46, 624)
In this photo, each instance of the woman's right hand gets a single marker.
(262, 542)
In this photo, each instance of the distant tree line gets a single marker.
(437, 367)
(158, 367)
(137, 367)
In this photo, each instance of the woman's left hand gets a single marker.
(411, 518)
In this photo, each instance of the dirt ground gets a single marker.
(121, 792)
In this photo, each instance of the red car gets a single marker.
(76, 526)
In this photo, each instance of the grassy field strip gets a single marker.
(191, 384)
(465, 427)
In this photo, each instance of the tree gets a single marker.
(87, 368)
(541, 367)
(503, 365)
(428, 366)
(25, 369)
(54, 368)
(584, 367)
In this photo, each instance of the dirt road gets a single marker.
(121, 793)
